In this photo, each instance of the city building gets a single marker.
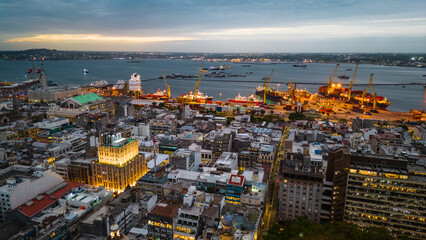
(222, 143)
(163, 123)
(386, 192)
(188, 218)
(234, 188)
(52, 94)
(18, 191)
(388, 139)
(420, 132)
(300, 189)
(71, 107)
(119, 164)
(161, 220)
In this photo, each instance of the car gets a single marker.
(368, 113)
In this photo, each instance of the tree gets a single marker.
(229, 120)
(302, 228)
(296, 116)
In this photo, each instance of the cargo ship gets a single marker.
(381, 102)
(273, 95)
(250, 99)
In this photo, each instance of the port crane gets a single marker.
(352, 83)
(364, 93)
(169, 94)
(197, 83)
(264, 85)
(331, 80)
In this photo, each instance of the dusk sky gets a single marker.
(214, 26)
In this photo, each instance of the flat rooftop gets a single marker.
(164, 209)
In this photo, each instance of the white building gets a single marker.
(52, 123)
(18, 191)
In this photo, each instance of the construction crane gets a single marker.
(169, 95)
(264, 85)
(364, 93)
(352, 83)
(331, 80)
(197, 83)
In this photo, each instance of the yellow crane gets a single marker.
(352, 83)
(197, 83)
(331, 80)
(169, 94)
(264, 85)
(370, 85)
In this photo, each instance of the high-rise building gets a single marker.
(376, 191)
(387, 193)
(119, 164)
(300, 189)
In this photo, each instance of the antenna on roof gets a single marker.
(155, 161)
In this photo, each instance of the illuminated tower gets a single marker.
(119, 164)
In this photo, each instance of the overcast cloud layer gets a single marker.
(214, 26)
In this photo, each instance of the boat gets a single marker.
(349, 69)
(85, 70)
(160, 94)
(300, 65)
(201, 98)
(381, 102)
(343, 77)
(250, 99)
(235, 75)
(245, 65)
(249, 72)
(270, 94)
(99, 83)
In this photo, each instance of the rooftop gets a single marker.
(84, 99)
(44, 200)
(165, 209)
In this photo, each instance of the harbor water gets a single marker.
(71, 73)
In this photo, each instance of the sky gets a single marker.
(283, 26)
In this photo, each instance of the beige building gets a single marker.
(119, 165)
(52, 94)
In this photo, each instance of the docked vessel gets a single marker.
(160, 94)
(381, 102)
(200, 97)
(273, 95)
(250, 99)
(99, 83)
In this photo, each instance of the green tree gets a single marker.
(229, 120)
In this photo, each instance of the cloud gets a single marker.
(95, 38)
(316, 31)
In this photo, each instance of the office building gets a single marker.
(119, 164)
